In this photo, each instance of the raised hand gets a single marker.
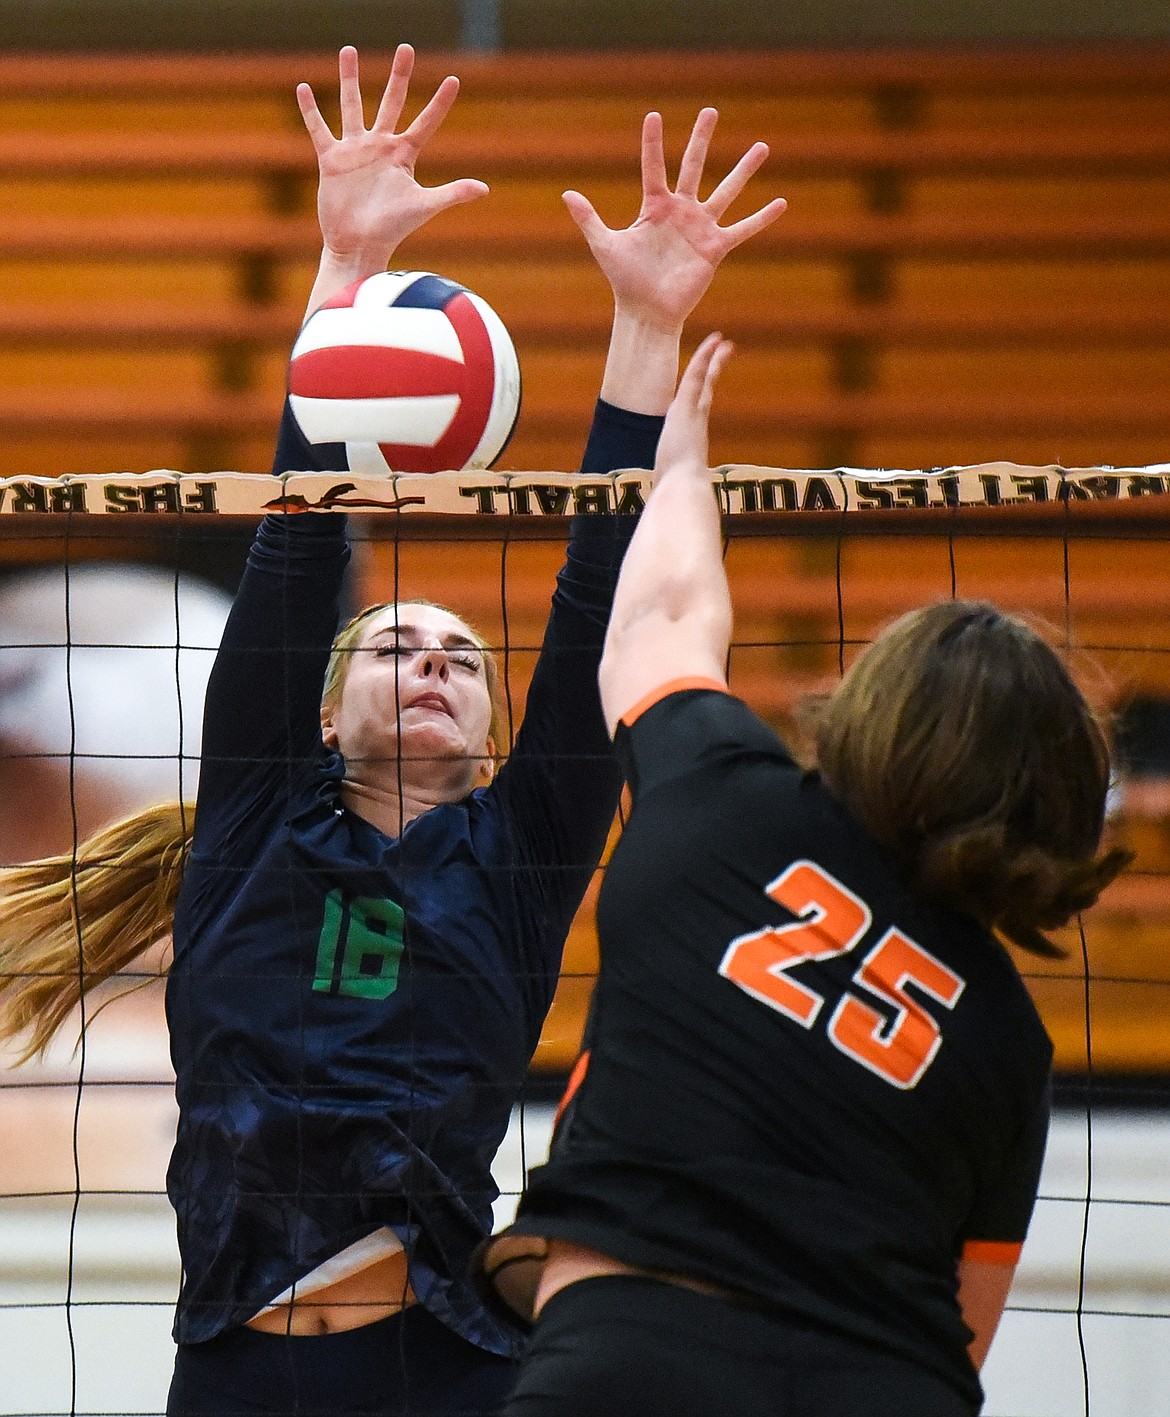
(368, 198)
(671, 615)
(660, 266)
(683, 446)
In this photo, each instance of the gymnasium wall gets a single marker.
(571, 24)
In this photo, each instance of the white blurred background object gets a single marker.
(102, 675)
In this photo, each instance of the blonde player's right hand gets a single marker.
(368, 198)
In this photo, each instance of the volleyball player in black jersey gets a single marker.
(373, 908)
(795, 1167)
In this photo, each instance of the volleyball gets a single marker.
(411, 372)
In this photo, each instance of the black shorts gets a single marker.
(624, 1346)
(408, 1365)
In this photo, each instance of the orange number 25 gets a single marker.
(831, 921)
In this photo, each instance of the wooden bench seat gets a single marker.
(870, 600)
(796, 428)
(192, 320)
(597, 151)
(786, 642)
(803, 408)
(491, 228)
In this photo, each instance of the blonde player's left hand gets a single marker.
(660, 266)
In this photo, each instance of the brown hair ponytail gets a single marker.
(68, 923)
(961, 742)
(1021, 892)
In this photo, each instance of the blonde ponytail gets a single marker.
(68, 923)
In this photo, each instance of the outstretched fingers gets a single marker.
(737, 179)
(694, 158)
(684, 440)
(427, 123)
(654, 181)
(394, 94)
(696, 389)
(320, 134)
(390, 108)
(748, 226)
(353, 118)
(583, 212)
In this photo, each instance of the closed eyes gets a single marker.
(464, 658)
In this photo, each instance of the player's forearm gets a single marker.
(983, 1294)
(641, 367)
(673, 581)
(264, 694)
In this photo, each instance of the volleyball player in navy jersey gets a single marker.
(797, 1162)
(371, 918)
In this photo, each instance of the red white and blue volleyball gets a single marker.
(411, 372)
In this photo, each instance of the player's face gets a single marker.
(416, 683)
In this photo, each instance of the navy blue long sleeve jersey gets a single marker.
(352, 1015)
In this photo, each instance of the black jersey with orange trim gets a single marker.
(352, 1015)
(805, 1083)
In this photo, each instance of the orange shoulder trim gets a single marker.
(1005, 1252)
(672, 686)
(576, 1078)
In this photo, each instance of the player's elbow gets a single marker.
(661, 645)
(678, 597)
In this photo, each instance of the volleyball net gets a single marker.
(818, 561)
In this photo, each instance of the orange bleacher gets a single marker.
(974, 264)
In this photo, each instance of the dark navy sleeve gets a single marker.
(561, 783)
(620, 439)
(686, 728)
(263, 703)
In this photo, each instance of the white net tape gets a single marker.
(741, 489)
